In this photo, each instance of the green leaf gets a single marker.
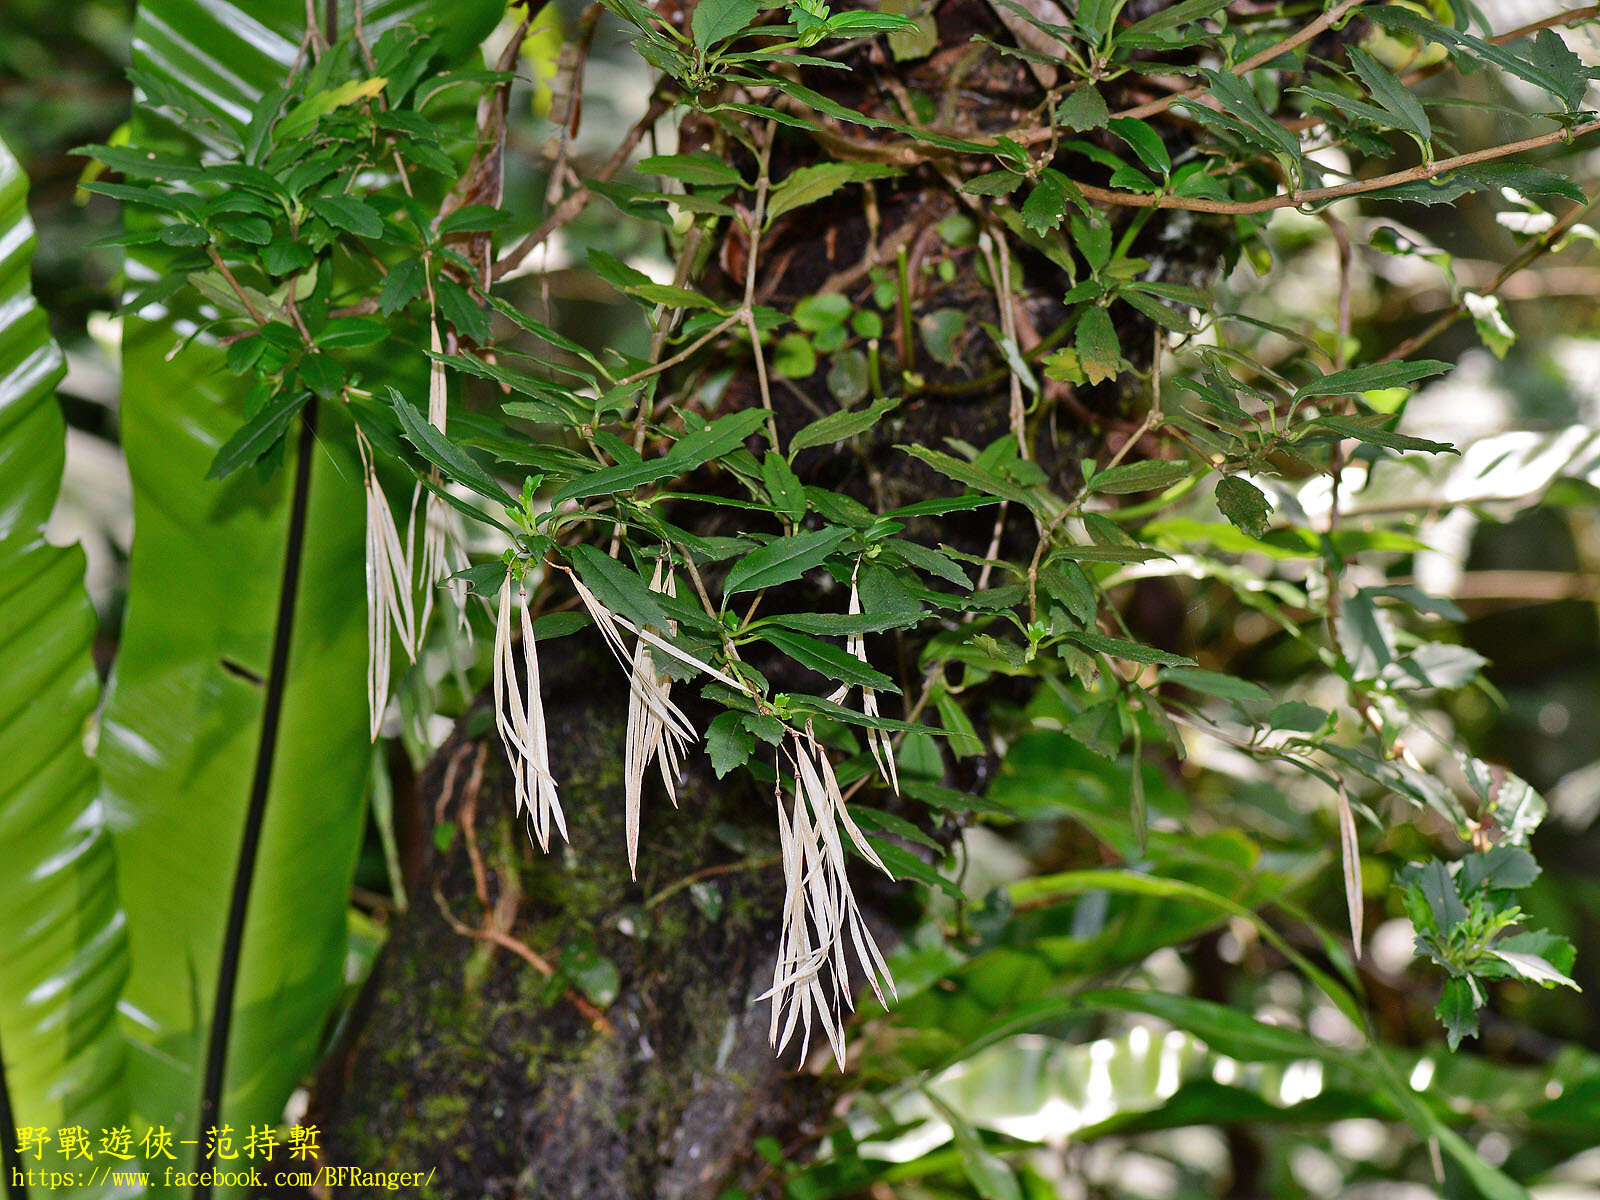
(183, 719)
(783, 486)
(987, 1172)
(1099, 351)
(717, 20)
(1172, 17)
(835, 427)
(794, 357)
(1244, 504)
(60, 915)
(1375, 435)
(474, 218)
(975, 476)
(1117, 647)
(1146, 143)
(723, 435)
(401, 285)
(782, 560)
(1387, 89)
(807, 185)
(1147, 476)
(458, 307)
(701, 167)
(301, 119)
(1371, 378)
(1214, 683)
(827, 659)
(1083, 109)
(728, 743)
(1046, 205)
(349, 214)
(1224, 1030)
(1533, 968)
(618, 588)
(257, 435)
(442, 452)
(1444, 901)
(1457, 1010)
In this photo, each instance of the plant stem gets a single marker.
(250, 843)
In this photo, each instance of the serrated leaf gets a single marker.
(257, 435)
(807, 185)
(835, 427)
(783, 486)
(717, 20)
(1457, 1010)
(1376, 435)
(349, 214)
(1138, 652)
(1244, 504)
(1147, 476)
(618, 588)
(827, 659)
(1083, 109)
(728, 743)
(442, 452)
(782, 560)
(1046, 205)
(1099, 351)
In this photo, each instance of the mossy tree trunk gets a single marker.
(658, 1080)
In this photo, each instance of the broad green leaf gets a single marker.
(807, 185)
(62, 1057)
(183, 720)
(827, 659)
(1147, 476)
(782, 560)
(1099, 351)
(717, 20)
(1046, 205)
(1244, 504)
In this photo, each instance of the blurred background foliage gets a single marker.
(984, 1054)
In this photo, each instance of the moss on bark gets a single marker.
(471, 1061)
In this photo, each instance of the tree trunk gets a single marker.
(472, 1062)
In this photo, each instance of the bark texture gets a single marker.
(470, 1060)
